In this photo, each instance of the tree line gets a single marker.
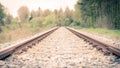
(87, 13)
(42, 18)
(99, 13)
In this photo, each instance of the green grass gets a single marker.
(102, 31)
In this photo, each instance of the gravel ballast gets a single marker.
(61, 49)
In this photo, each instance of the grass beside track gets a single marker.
(9, 35)
(109, 33)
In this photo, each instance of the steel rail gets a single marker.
(107, 49)
(22, 46)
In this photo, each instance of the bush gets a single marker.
(36, 22)
(50, 20)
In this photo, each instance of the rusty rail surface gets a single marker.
(22, 46)
(105, 48)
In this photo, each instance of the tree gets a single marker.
(8, 19)
(68, 17)
(50, 20)
(68, 12)
(2, 15)
(60, 11)
(46, 12)
(37, 13)
(33, 14)
(100, 13)
(23, 14)
(55, 12)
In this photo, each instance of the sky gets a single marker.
(14, 5)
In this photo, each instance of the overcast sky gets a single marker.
(14, 5)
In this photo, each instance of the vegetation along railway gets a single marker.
(23, 46)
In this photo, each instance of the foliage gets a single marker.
(37, 13)
(2, 15)
(50, 20)
(36, 22)
(23, 14)
(99, 13)
(8, 19)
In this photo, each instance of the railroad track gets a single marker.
(105, 48)
(23, 46)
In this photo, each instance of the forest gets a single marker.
(86, 14)
(99, 13)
